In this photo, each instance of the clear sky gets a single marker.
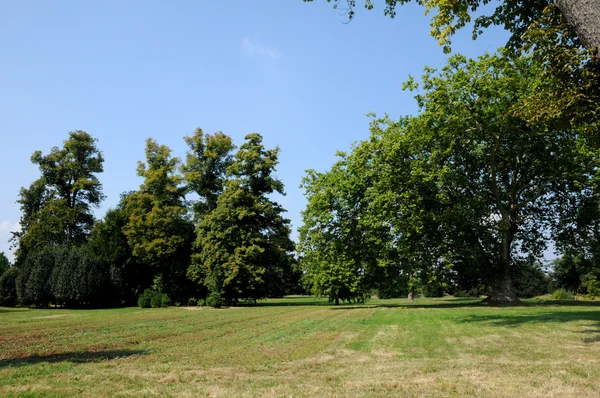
(127, 70)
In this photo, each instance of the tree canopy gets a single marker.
(462, 191)
(57, 207)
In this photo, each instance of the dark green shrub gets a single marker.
(165, 301)
(145, 299)
(154, 299)
(8, 287)
(215, 300)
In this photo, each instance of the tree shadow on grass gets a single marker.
(515, 320)
(74, 357)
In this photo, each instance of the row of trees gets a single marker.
(465, 195)
(206, 227)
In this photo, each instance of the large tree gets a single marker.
(500, 181)
(57, 207)
(332, 248)
(159, 230)
(243, 245)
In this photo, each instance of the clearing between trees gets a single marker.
(306, 347)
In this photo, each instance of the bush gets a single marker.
(8, 287)
(145, 299)
(215, 300)
(156, 300)
(562, 294)
(152, 298)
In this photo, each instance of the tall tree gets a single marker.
(496, 174)
(337, 247)
(205, 168)
(158, 228)
(57, 208)
(244, 245)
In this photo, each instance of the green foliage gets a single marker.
(529, 279)
(568, 271)
(433, 289)
(562, 294)
(145, 299)
(57, 208)
(339, 243)
(591, 285)
(79, 278)
(4, 263)
(452, 15)
(153, 299)
(455, 194)
(8, 287)
(33, 282)
(205, 168)
(158, 229)
(215, 300)
(64, 275)
(243, 245)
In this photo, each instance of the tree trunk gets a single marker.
(337, 301)
(584, 18)
(503, 291)
(411, 295)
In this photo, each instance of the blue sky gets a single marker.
(127, 70)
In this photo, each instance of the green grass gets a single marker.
(305, 347)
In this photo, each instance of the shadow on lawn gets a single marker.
(505, 320)
(74, 357)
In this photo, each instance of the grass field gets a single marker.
(303, 347)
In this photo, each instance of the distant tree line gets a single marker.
(204, 229)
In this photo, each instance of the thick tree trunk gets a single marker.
(411, 295)
(503, 291)
(584, 17)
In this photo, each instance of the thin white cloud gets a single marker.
(6, 226)
(253, 48)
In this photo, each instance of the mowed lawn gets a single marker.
(292, 347)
